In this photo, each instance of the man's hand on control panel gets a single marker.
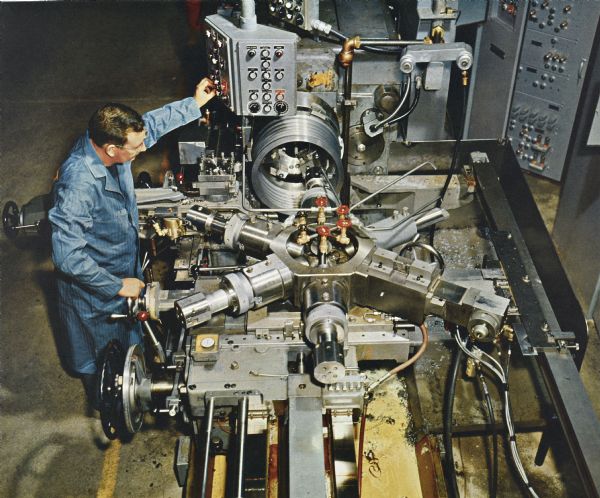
(205, 90)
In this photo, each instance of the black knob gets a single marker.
(254, 107)
(251, 52)
(281, 107)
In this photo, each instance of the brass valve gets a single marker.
(343, 211)
(343, 224)
(321, 203)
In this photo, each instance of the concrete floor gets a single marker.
(59, 62)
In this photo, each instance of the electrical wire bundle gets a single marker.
(495, 369)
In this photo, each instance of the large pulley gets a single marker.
(110, 387)
(134, 377)
(123, 378)
(297, 158)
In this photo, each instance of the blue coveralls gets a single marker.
(95, 241)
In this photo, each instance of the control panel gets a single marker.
(298, 13)
(254, 71)
(554, 55)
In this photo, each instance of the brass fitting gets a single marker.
(174, 228)
(465, 78)
(300, 219)
(347, 54)
(303, 237)
(437, 34)
(323, 245)
(471, 368)
(323, 232)
(508, 332)
(321, 217)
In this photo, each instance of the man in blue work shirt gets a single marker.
(95, 227)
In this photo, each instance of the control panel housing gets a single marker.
(254, 70)
(298, 13)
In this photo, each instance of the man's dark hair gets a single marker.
(111, 123)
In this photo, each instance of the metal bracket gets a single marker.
(461, 53)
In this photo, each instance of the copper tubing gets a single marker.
(407, 363)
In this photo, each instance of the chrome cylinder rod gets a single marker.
(242, 429)
(209, 422)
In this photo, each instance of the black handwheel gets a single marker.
(110, 390)
(10, 219)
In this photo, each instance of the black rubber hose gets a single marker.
(459, 137)
(492, 421)
(450, 472)
(454, 163)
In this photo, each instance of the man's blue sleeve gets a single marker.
(71, 218)
(167, 118)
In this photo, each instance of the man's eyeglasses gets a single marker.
(133, 150)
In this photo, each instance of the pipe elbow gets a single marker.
(347, 54)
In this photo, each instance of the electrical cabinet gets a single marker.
(553, 63)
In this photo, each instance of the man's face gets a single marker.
(131, 148)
